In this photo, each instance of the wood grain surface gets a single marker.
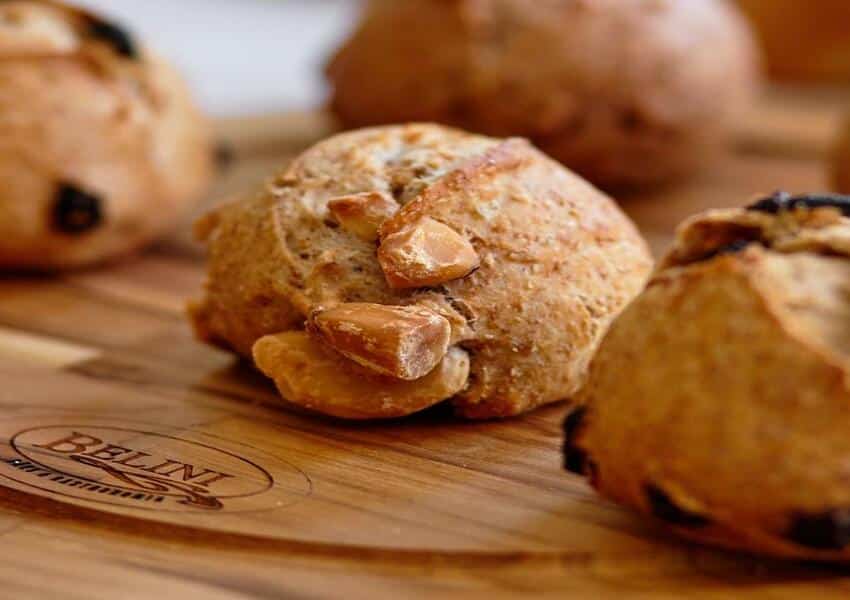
(137, 463)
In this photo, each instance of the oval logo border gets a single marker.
(33, 487)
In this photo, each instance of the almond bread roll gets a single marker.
(391, 269)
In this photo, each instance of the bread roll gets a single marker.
(625, 92)
(719, 401)
(390, 269)
(101, 146)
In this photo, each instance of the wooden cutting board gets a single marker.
(137, 463)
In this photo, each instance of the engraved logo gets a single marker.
(134, 468)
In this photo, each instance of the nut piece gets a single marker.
(318, 379)
(362, 214)
(425, 254)
(405, 342)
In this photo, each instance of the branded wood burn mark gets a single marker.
(139, 469)
(190, 484)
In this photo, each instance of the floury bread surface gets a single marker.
(390, 269)
(624, 92)
(719, 401)
(101, 146)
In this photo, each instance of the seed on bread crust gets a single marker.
(426, 254)
(363, 214)
(316, 378)
(405, 342)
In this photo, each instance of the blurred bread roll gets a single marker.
(625, 92)
(804, 40)
(101, 146)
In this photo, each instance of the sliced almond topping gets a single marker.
(316, 378)
(405, 342)
(426, 254)
(363, 214)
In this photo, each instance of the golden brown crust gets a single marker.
(803, 41)
(557, 258)
(626, 92)
(731, 424)
(82, 107)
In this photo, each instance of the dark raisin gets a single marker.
(76, 211)
(397, 190)
(591, 470)
(117, 37)
(824, 531)
(575, 459)
(665, 509)
(632, 120)
(772, 204)
(732, 248)
(783, 201)
(225, 155)
(573, 423)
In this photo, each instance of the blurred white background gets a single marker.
(242, 56)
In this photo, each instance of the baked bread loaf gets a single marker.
(803, 41)
(719, 401)
(101, 147)
(390, 269)
(625, 92)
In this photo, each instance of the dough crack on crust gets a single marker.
(101, 146)
(719, 401)
(491, 312)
